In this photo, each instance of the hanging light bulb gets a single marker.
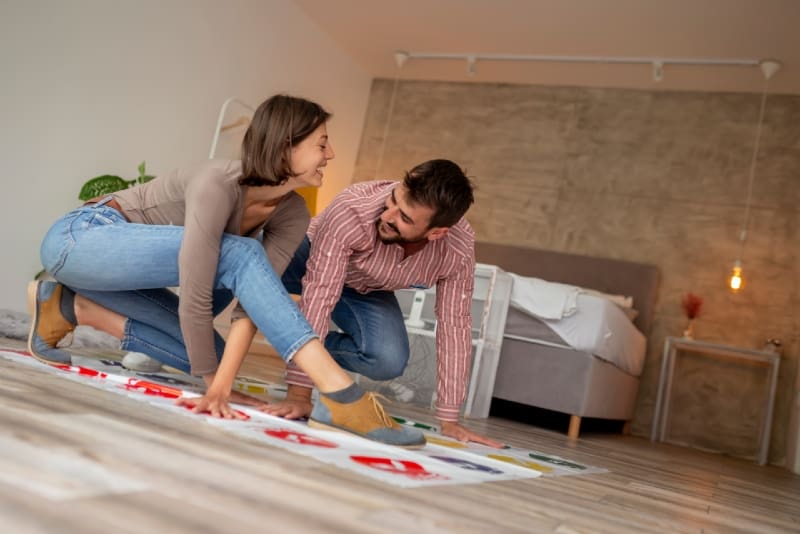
(736, 280)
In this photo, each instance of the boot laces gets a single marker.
(379, 409)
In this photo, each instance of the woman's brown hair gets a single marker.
(278, 124)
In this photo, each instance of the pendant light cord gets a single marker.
(753, 160)
(388, 122)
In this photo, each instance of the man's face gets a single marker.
(401, 221)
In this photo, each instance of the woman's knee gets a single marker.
(240, 247)
(239, 255)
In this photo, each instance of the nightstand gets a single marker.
(673, 345)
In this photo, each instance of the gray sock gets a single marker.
(347, 395)
(68, 304)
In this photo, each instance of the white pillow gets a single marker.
(620, 300)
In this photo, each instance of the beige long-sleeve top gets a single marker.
(208, 201)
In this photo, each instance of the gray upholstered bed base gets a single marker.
(568, 381)
(565, 380)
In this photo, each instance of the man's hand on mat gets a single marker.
(247, 400)
(212, 403)
(296, 405)
(289, 409)
(454, 430)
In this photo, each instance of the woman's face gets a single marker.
(311, 156)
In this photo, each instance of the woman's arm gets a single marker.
(283, 233)
(210, 198)
(219, 384)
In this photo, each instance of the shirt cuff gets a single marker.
(296, 377)
(448, 413)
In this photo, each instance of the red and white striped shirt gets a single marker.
(345, 250)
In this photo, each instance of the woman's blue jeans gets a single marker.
(373, 341)
(127, 267)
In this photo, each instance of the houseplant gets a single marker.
(108, 183)
(691, 304)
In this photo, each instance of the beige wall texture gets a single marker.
(94, 87)
(648, 176)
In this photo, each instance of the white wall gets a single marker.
(95, 86)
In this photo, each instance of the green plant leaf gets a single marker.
(143, 178)
(102, 185)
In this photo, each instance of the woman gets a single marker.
(193, 228)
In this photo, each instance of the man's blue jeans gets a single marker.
(373, 341)
(127, 267)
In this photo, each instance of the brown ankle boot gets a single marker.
(366, 418)
(48, 324)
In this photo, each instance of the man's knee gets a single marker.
(292, 278)
(292, 283)
(388, 366)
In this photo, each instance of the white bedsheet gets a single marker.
(543, 299)
(596, 326)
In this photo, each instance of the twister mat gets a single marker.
(441, 461)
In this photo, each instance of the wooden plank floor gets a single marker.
(78, 459)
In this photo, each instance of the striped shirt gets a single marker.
(345, 250)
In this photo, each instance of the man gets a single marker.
(376, 237)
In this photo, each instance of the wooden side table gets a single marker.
(671, 347)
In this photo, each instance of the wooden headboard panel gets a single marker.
(638, 280)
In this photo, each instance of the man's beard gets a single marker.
(398, 239)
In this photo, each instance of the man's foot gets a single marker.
(364, 417)
(48, 323)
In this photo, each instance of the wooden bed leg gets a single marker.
(574, 427)
(626, 428)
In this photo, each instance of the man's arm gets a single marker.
(326, 269)
(454, 351)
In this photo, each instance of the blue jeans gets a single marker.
(373, 341)
(127, 267)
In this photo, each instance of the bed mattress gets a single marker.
(597, 326)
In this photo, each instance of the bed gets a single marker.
(543, 373)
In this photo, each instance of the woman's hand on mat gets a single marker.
(454, 430)
(213, 403)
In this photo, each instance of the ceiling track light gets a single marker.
(657, 63)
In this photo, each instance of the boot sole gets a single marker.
(33, 290)
(323, 426)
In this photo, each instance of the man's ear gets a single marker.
(437, 232)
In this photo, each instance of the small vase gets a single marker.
(689, 332)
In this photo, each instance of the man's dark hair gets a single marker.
(441, 185)
(278, 124)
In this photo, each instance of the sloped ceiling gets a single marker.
(370, 31)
